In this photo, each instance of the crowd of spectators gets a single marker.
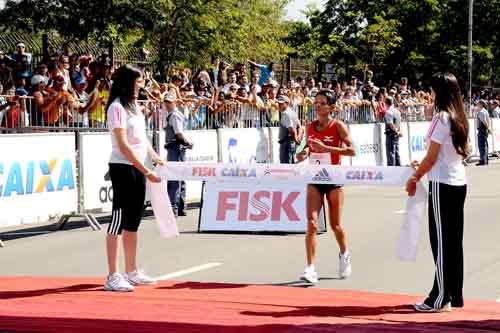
(72, 90)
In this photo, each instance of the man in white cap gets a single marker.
(17, 56)
(176, 144)
(290, 132)
(483, 130)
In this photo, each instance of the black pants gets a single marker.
(177, 188)
(287, 151)
(446, 229)
(392, 150)
(129, 191)
(482, 142)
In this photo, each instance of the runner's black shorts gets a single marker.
(129, 193)
(326, 188)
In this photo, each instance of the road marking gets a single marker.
(188, 271)
(402, 211)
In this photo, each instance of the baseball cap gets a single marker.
(170, 97)
(283, 99)
(483, 101)
(494, 101)
(20, 44)
(37, 79)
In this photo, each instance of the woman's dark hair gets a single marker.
(124, 86)
(449, 99)
(330, 97)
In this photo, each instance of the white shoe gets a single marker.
(345, 269)
(138, 277)
(116, 282)
(309, 276)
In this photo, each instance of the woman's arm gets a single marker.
(424, 167)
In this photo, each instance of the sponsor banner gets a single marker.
(244, 145)
(418, 139)
(204, 151)
(404, 145)
(366, 139)
(37, 177)
(275, 146)
(286, 173)
(473, 137)
(273, 201)
(496, 133)
(276, 207)
(95, 150)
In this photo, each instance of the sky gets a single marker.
(295, 8)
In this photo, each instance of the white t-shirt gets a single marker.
(448, 168)
(135, 125)
(79, 118)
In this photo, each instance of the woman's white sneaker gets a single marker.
(345, 269)
(310, 276)
(138, 277)
(116, 282)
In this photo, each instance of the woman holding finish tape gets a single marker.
(327, 140)
(130, 148)
(448, 147)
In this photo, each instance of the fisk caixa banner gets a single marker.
(277, 207)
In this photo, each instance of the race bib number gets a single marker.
(320, 158)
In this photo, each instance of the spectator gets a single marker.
(98, 116)
(20, 53)
(290, 131)
(392, 120)
(483, 130)
(58, 110)
(63, 70)
(21, 86)
(87, 102)
(266, 72)
(176, 144)
(232, 79)
(6, 79)
(6, 104)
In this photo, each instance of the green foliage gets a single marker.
(184, 31)
(405, 37)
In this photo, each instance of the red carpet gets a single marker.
(79, 305)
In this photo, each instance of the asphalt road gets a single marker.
(372, 218)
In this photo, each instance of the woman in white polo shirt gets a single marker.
(448, 147)
(130, 148)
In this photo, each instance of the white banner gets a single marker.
(277, 207)
(366, 139)
(244, 145)
(37, 177)
(204, 151)
(275, 146)
(496, 133)
(473, 137)
(95, 150)
(418, 142)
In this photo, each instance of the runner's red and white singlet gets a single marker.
(329, 136)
